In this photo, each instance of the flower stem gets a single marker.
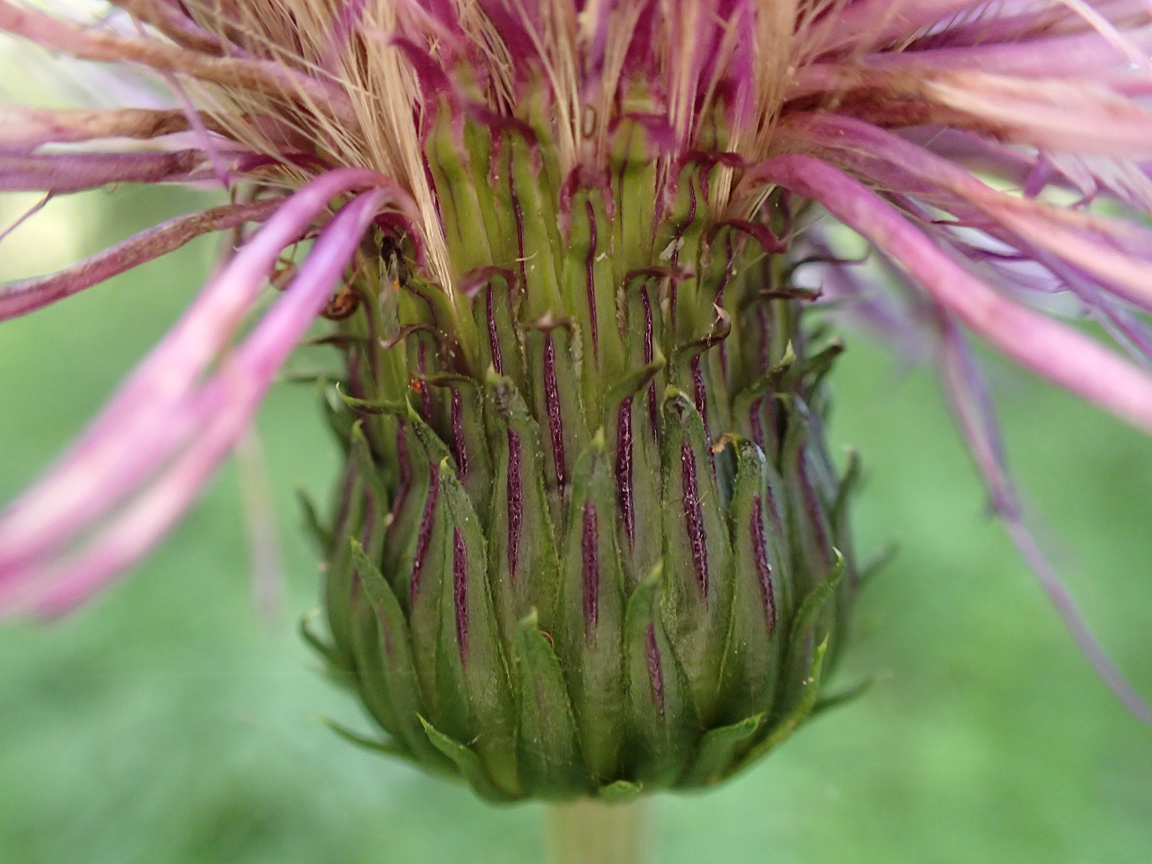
(591, 832)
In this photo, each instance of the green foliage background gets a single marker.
(167, 723)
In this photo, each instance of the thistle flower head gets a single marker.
(598, 539)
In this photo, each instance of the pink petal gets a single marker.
(84, 43)
(975, 416)
(872, 23)
(221, 412)
(74, 172)
(27, 128)
(1057, 352)
(27, 295)
(1077, 116)
(137, 427)
(1116, 252)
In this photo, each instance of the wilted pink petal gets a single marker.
(138, 427)
(873, 23)
(220, 412)
(74, 172)
(974, 415)
(1053, 114)
(90, 44)
(25, 216)
(1052, 350)
(1080, 53)
(1093, 176)
(175, 23)
(27, 295)
(268, 578)
(26, 128)
(1118, 253)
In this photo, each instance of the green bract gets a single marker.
(589, 539)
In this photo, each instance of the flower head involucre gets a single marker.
(589, 539)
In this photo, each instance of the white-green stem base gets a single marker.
(590, 832)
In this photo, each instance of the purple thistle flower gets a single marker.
(904, 120)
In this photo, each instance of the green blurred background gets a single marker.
(169, 723)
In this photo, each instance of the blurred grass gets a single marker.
(166, 723)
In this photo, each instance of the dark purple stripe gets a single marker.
(701, 394)
(493, 338)
(552, 402)
(355, 378)
(515, 503)
(775, 418)
(460, 591)
(693, 518)
(755, 422)
(425, 534)
(729, 270)
(649, 354)
(519, 214)
(648, 328)
(624, 468)
(763, 568)
(701, 398)
(812, 504)
(402, 456)
(655, 674)
(590, 549)
(369, 525)
(774, 514)
(590, 278)
(458, 435)
(653, 412)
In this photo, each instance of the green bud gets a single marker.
(589, 539)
